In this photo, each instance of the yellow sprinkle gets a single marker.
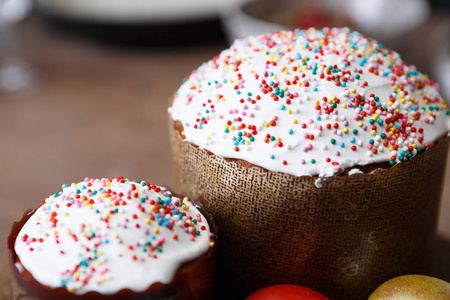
(402, 101)
(375, 117)
(285, 88)
(389, 103)
(360, 124)
(227, 126)
(108, 183)
(247, 143)
(430, 113)
(116, 236)
(275, 77)
(66, 213)
(208, 138)
(396, 111)
(185, 199)
(299, 83)
(278, 139)
(38, 218)
(289, 111)
(353, 91)
(295, 121)
(156, 230)
(373, 132)
(104, 195)
(106, 216)
(330, 101)
(231, 81)
(345, 130)
(223, 99)
(68, 232)
(182, 133)
(426, 101)
(316, 102)
(73, 184)
(232, 128)
(421, 93)
(192, 224)
(251, 71)
(211, 244)
(391, 148)
(344, 105)
(305, 68)
(266, 124)
(414, 146)
(147, 221)
(333, 97)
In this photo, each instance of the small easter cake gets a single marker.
(112, 239)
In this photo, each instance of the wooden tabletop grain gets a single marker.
(99, 110)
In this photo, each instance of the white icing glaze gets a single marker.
(104, 248)
(230, 88)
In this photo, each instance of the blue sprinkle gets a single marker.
(225, 81)
(238, 92)
(64, 186)
(342, 145)
(343, 84)
(291, 131)
(315, 89)
(363, 61)
(236, 143)
(200, 126)
(242, 142)
(352, 140)
(402, 152)
(283, 107)
(380, 121)
(318, 118)
(272, 156)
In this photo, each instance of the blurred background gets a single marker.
(85, 85)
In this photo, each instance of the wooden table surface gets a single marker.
(100, 110)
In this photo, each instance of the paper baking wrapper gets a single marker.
(343, 239)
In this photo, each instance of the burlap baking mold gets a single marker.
(343, 239)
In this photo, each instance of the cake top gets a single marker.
(310, 102)
(105, 235)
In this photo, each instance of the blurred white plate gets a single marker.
(135, 11)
